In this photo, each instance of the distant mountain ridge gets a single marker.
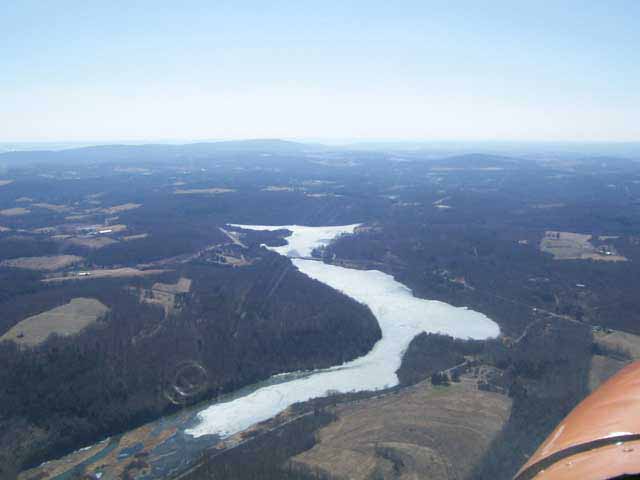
(231, 150)
(155, 152)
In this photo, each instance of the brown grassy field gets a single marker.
(104, 273)
(202, 191)
(275, 188)
(322, 195)
(52, 207)
(47, 264)
(422, 432)
(77, 217)
(14, 212)
(66, 319)
(628, 343)
(164, 294)
(601, 368)
(121, 208)
(574, 246)
(139, 236)
(92, 242)
(183, 285)
(619, 349)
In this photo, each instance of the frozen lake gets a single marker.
(401, 317)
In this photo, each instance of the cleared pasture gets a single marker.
(14, 212)
(67, 319)
(45, 263)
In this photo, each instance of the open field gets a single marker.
(67, 319)
(234, 261)
(52, 207)
(78, 217)
(614, 340)
(138, 236)
(276, 188)
(618, 349)
(47, 263)
(548, 205)
(422, 432)
(105, 273)
(14, 212)
(113, 228)
(183, 285)
(121, 208)
(603, 367)
(202, 191)
(575, 246)
(322, 195)
(603, 258)
(92, 242)
(45, 230)
(164, 294)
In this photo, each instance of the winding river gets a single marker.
(174, 441)
(401, 317)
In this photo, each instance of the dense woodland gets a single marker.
(485, 267)
(430, 353)
(241, 325)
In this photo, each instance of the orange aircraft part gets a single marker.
(599, 439)
(609, 461)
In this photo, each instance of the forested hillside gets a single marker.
(236, 326)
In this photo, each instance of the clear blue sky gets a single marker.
(504, 70)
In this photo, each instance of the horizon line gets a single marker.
(331, 140)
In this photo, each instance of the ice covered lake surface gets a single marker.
(401, 317)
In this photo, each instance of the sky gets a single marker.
(403, 70)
